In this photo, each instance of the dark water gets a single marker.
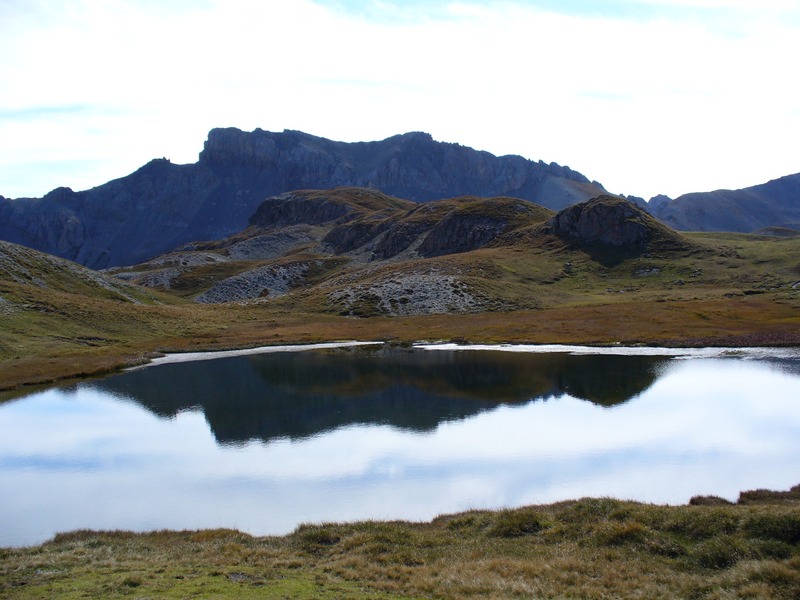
(267, 441)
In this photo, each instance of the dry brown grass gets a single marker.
(65, 336)
(589, 548)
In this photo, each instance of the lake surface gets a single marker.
(264, 442)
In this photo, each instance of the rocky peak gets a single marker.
(231, 146)
(162, 206)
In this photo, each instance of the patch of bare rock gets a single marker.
(270, 280)
(406, 294)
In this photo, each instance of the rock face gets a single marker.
(162, 206)
(772, 204)
(604, 220)
(411, 166)
(609, 223)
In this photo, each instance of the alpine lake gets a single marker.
(265, 440)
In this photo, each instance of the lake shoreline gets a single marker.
(59, 369)
(75, 344)
(613, 350)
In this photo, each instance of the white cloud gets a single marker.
(664, 104)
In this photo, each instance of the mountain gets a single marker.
(360, 252)
(163, 205)
(775, 204)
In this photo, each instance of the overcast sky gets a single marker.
(645, 96)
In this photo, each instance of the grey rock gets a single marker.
(271, 280)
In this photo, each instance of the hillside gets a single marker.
(361, 252)
(21, 265)
(357, 252)
(163, 205)
(356, 264)
(775, 204)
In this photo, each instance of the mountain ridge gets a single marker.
(775, 203)
(161, 205)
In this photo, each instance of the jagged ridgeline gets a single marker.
(163, 205)
(357, 251)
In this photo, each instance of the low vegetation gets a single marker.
(589, 548)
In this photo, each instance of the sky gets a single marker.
(645, 96)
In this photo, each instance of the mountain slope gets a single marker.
(162, 205)
(772, 204)
(359, 252)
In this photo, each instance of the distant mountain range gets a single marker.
(764, 208)
(162, 206)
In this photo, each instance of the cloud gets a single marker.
(645, 96)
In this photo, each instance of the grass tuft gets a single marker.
(517, 523)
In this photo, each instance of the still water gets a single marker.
(264, 442)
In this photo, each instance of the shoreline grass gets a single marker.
(587, 548)
(45, 348)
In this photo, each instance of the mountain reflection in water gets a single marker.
(297, 395)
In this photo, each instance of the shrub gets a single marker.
(709, 501)
(312, 538)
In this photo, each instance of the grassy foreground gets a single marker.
(589, 548)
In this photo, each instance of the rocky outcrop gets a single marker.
(435, 228)
(612, 228)
(460, 232)
(604, 220)
(297, 208)
(163, 206)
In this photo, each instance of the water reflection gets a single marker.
(303, 394)
(385, 435)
